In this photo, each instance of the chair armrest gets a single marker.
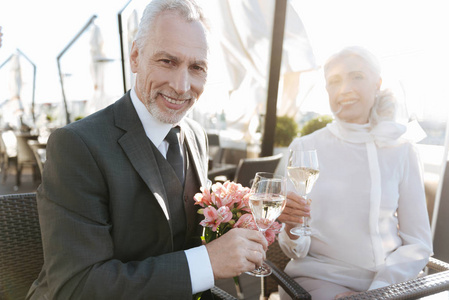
(412, 289)
(219, 294)
(415, 288)
(437, 265)
(290, 286)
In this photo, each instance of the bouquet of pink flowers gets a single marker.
(225, 206)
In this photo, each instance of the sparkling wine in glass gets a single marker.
(267, 201)
(303, 171)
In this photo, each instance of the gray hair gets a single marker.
(187, 9)
(370, 59)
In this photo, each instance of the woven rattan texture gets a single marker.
(413, 289)
(278, 260)
(21, 255)
(219, 294)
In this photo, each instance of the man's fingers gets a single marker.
(258, 238)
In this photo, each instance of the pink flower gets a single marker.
(227, 204)
(224, 214)
(245, 202)
(230, 194)
(210, 217)
(270, 233)
(213, 217)
(246, 221)
(204, 198)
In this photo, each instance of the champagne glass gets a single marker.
(303, 171)
(267, 201)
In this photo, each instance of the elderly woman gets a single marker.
(369, 219)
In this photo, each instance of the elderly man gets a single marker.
(116, 200)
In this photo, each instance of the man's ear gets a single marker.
(134, 57)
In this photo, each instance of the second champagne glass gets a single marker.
(267, 201)
(303, 171)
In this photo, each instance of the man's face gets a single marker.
(352, 88)
(171, 69)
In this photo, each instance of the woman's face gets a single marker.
(352, 88)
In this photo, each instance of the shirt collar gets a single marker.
(154, 129)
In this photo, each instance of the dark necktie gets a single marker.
(174, 153)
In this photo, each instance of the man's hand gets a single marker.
(239, 250)
(292, 215)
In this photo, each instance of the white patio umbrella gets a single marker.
(132, 27)
(13, 108)
(97, 69)
(245, 30)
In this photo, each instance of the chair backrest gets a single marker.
(24, 152)
(440, 220)
(21, 254)
(3, 154)
(215, 152)
(39, 151)
(248, 167)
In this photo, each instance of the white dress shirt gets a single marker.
(369, 219)
(200, 268)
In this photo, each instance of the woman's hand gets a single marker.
(296, 208)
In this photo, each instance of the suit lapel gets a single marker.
(141, 155)
(193, 148)
(139, 152)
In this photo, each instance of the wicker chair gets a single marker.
(437, 281)
(21, 254)
(415, 288)
(39, 153)
(248, 167)
(277, 260)
(25, 157)
(8, 149)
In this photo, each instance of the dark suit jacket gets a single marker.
(104, 215)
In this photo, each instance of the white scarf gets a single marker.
(386, 133)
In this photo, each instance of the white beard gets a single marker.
(169, 116)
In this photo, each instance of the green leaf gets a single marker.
(209, 235)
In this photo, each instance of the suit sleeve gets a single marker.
(74, 211)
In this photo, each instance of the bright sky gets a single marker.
(42, 29)
(410, 37)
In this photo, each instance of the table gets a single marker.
(222, 169)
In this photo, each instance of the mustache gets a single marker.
(172, 94)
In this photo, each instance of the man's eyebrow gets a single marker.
(201, 63)
(165, 54)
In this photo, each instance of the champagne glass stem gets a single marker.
(304, 228)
